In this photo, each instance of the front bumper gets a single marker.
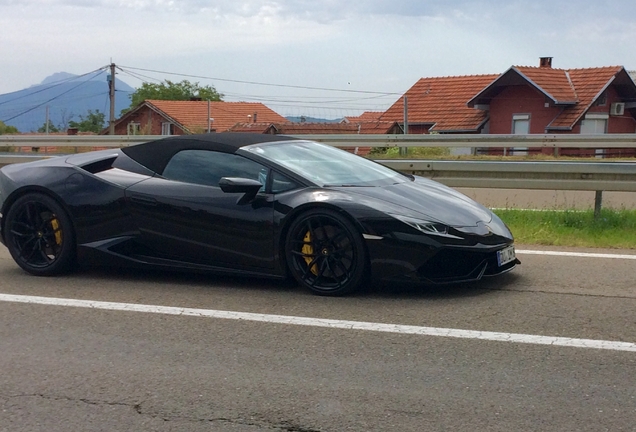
(435, 264)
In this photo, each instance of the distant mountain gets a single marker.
(56, 77)
(298, 119)
(68, 96)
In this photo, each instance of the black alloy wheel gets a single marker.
(325, 253)
(39, 235)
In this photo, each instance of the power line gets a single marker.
(274, 100)
(55, 84)
(300, 102)
(313, 102)
(261, 83)
(140, 77)
(45, 102)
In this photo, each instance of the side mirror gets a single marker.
(248, 187)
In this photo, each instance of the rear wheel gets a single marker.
(325, 253)
(39, 235)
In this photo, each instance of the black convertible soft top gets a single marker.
(155, 155)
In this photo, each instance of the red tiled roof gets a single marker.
(193, 115)
(316, 128)
(258, 127)
(555, 83)
(379, 127)
(589, 83)
(366, 116)
(371, 127)
(441, 102)
(305, 128)
(311, 129)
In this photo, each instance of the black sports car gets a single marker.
(251, 204)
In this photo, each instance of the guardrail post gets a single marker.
(598, 202)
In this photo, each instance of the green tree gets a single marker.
(4, 129)
(52, 127)
(168, 90)
(93, 122)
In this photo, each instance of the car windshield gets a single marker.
(326, 165)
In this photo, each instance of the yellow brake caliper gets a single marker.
(308, 250)
(56, 229)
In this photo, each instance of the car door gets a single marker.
(184, 215)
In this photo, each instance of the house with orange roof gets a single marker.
(162, 117)
(541, 100)
(524, 100)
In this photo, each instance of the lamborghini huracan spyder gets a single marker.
(250, 204)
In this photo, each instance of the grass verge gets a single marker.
(613, 229)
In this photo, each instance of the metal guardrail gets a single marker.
(549, 175)
(586, 176)
(348, 140)
(74, 140)
(551, 141)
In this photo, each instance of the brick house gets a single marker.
(542, 100)
(524, 100)
(160, 117)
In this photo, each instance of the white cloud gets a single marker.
(378, 45)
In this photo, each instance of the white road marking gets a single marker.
(575, 254)
(328, 323)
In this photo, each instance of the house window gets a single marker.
(167, 128)
(595, 124)
(520, 126)
(134, 128)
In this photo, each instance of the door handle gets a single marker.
(144, 200)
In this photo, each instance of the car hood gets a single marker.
(426, 199)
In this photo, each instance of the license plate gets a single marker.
(506, 255)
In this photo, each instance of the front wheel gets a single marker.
(39, 235)
(325, 253)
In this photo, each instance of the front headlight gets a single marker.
(426, 226)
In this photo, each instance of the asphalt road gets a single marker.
(70, 368)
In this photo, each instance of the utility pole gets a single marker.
(111, 88)
(47, 120)
(404, 151)
(209, 118)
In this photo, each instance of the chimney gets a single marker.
(545, 62)
(254, 117)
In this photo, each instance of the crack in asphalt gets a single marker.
(604, 296)
(136, 407)
(285, 426)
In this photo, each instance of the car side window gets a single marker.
(206, 167)
(281, 183)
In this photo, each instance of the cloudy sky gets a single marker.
(324, 58)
